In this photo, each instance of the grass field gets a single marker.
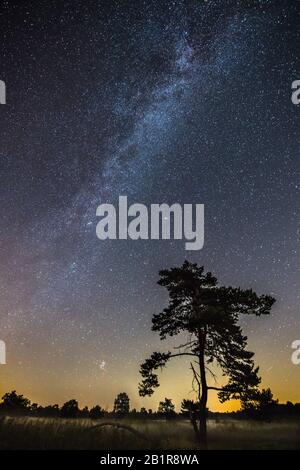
(56, 433)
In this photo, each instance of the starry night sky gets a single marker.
(162, 101)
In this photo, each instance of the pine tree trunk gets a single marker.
(203, 400)
(203, 425)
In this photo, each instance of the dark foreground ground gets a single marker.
(56, 433)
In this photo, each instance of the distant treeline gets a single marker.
(14, 404)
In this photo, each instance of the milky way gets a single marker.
(182, 101)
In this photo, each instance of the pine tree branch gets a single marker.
(183, 354)
(189, 343)
(197, 380)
